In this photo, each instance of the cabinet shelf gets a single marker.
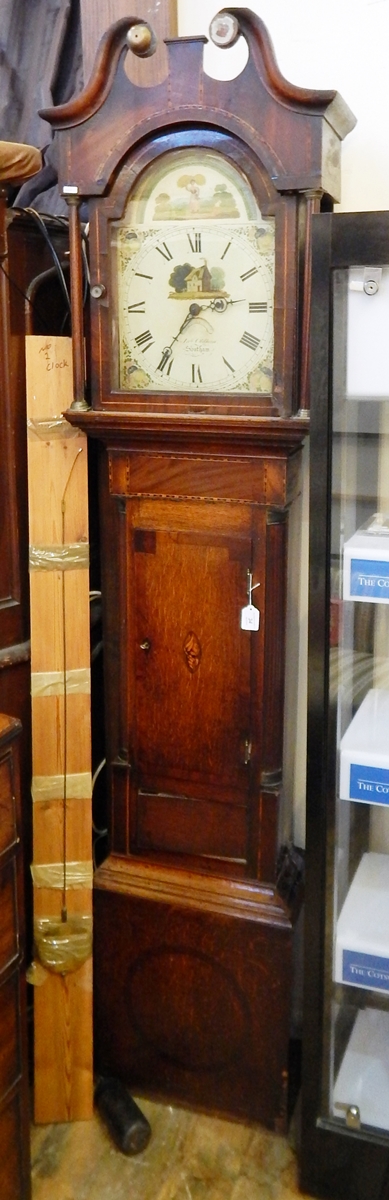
(362, 929)
(364, 751)
(366, 563)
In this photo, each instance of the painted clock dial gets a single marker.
(194, 280)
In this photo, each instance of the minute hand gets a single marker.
(167, 351)
(196, 309)
(189, 317)
(217, 305)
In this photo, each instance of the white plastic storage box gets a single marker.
(362, 931)
(366, 562)
(363, 1077)
(364, 751)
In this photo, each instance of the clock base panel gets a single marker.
(192, 989)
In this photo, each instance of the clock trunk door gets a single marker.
(193, 681)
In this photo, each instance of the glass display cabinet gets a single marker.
(345, 1102)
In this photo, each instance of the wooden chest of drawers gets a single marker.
(14, 1101)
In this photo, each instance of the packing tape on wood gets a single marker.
(52, 683)
(59, 558)
(37, 974)
(63, 944)
(51, 875)
(51, 428)
(52, 787)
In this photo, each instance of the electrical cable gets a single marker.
(100, 833)
(98, 770)
(64, 914)
(44, 222)
(33, 304)
(38, 218)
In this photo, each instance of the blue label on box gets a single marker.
(369, 579)
(369, 783)
(365, 970)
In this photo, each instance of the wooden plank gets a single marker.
(58, 520)
(63, 1094)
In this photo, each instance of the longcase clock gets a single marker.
(199, 198)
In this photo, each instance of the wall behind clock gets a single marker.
(341, 45)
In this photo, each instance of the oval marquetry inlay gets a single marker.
(192, 651)
(203, 1016)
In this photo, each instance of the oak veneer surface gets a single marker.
(193, 963)
(194, 1001)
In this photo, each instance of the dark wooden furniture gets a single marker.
(16, 163)
(344, 1152)
(193, 928)
(14, 1100)
(192, 940)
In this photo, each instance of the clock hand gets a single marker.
(189, 317)
(195, 309)
(218, 305)
(167, 351)
(193, 312)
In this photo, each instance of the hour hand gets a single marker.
(221, 303)
(218, 305)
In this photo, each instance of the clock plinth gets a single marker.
(199, 198)
(199, 1010)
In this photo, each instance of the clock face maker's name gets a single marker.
(195, 308)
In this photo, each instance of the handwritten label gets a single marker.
(51, 363)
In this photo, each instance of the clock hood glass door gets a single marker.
(193, 276)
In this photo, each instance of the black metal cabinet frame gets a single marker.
(342, 1156)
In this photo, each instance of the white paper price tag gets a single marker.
(250, 617)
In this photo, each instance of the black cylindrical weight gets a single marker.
(127, 1125)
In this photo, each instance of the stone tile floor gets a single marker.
(189, 1157)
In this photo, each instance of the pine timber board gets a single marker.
(63, 1044)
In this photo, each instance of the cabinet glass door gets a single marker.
(356, 1049)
